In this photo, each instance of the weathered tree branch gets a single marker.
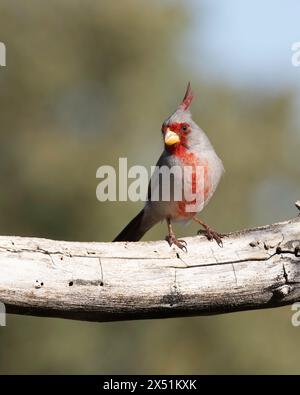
(257, 268)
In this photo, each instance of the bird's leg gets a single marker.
(209, 233)
(171, 238)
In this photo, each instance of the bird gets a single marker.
(185, 145)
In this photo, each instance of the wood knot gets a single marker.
(282, 291)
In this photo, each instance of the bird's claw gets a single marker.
(179, 243)
(212, 235)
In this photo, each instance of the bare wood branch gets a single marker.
(258, 268)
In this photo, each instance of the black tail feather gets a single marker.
(134, 231)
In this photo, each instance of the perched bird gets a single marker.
(185, 145)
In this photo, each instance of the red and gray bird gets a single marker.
(185, 144)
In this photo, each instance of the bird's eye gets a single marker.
(184, 127)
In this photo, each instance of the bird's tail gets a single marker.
(135, 230)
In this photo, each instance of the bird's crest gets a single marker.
(188, 97)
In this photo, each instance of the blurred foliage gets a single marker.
(87, 83)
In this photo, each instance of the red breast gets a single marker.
(191, 159)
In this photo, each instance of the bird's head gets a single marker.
(178, 129)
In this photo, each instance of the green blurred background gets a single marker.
(89, 82)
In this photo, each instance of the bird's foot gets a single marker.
(212, 235)
(171, 239)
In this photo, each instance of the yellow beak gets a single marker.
(171, 137)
